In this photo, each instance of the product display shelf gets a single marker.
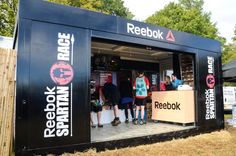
(187, 70)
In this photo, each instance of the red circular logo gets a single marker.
(210, 81)
(61, 73)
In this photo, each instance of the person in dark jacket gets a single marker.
(168, 84)
(126, 94)
(111, 94)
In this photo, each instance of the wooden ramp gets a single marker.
(7, 96)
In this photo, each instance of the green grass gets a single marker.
(228, 116)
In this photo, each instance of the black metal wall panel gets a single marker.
(57, 107)
(59, 14)
(48, 12)
(22, 84)
(162, 34)
(209, 98)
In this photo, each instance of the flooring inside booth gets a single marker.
(124, 131)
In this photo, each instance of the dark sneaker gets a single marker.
(116, 122)
(100, 125)
(141, 122)
(113, 121)
(127, 121)
(144, 122)
(135, 121)
(93, 126)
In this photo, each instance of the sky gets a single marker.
(223, 12)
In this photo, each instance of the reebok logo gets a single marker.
(145, 32)
(167, 105)
(170, 37)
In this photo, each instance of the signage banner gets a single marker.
(58, 109)
(210, 100)
(142, 30)
(173, 106)
(58, 87)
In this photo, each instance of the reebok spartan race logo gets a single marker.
(167, 105)
(58, 105)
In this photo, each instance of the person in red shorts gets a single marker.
(141, 86)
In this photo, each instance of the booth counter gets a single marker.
(173, 106)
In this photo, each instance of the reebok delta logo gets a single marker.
(170, 37)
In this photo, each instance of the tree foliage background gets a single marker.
(229, 50)
(187, 16)
(114, 7)
(8, 11)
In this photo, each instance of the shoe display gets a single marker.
(116, 122)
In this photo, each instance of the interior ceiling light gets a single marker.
(117, 48)
(156, 54)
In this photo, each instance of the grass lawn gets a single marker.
(219, 143)
(228, 116)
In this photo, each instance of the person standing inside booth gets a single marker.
(112, 96)
(175, 81)
(141, 86)
(126, 94)
(96, 103)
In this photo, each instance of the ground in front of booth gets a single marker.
(216, 143)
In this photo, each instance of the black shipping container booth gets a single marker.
(61, 48)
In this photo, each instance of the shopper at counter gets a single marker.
(168, 85)
(175, 81)
(141, 86)
(111, 95)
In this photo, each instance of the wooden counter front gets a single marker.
(173, 106)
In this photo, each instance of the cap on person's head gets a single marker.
(109, 79)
